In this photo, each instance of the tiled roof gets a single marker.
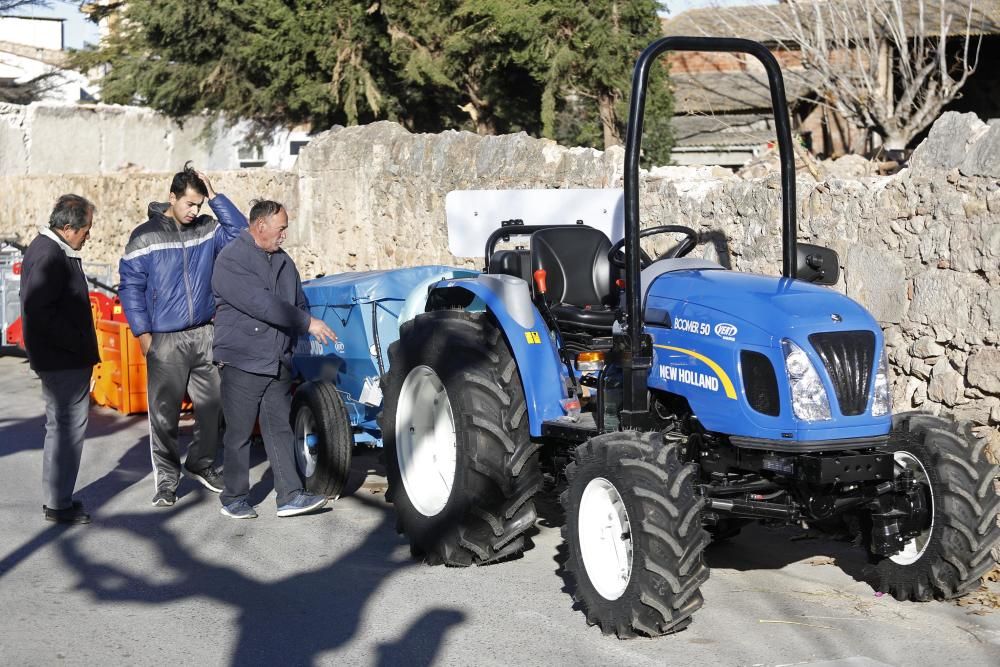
(763, 23)
(723, 130)
(731, 91)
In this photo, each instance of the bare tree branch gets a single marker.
(8, 5)
(882, 65)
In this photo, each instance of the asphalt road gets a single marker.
(185, 585)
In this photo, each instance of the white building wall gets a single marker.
(47, 138)
(41, 33)
(65, 86)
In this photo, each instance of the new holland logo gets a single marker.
(726, 331)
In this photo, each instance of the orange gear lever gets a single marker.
(539, 276)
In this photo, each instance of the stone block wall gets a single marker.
(920, 249)
(122, 201)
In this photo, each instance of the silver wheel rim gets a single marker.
(605, 536)
(306, 441)
(426, 447)
(915, 548)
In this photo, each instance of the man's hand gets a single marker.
(323, 333)
(208, 184)
(145, 340)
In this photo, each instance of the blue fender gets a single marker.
(543, 375)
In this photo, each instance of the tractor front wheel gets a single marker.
(634, 534)
(949, 557)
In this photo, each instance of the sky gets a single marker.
(77, 29)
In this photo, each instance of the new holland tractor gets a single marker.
(676, 400)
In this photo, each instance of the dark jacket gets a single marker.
(166, 272)
(55, 309)
(260, 308)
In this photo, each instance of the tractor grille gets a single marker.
(849, 358)
(760, 383)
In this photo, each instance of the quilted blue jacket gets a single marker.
(166, 272)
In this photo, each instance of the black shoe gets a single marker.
(72, 514)
(164, 498)
(208, 478)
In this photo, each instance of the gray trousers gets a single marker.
(67, 402)
(245, 396)
(177, 362)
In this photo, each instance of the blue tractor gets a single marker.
(676, 400)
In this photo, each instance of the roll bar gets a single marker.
(633, 144)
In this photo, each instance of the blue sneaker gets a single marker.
(238, 509)
(303, 503)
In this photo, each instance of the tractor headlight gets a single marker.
(882, 400)
(809, 400)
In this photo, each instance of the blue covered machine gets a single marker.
(336, 406)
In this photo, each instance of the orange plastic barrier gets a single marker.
(119, 381)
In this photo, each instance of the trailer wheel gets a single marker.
(951, 555)
(323, 438)
(634, 534)
(461, 467)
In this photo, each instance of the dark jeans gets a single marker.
(177, 362)
(244, 397)
(67, 403)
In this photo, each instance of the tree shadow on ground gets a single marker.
(772, 547)
(131, 467)
(290, 621)
(20, 435)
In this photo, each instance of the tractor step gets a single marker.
(565, 428)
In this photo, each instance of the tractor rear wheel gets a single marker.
(461, 467)
(634, 534)
(951, 555)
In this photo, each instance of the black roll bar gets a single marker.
(633, 144)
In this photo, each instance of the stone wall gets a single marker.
(920, 249)
(121, 201)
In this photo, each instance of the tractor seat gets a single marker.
(578, 276)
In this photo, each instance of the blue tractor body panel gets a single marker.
(535, 349)
(700, 320)
(362, 308)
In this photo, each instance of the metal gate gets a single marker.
(10, 285)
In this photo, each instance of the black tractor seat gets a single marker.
(580, 288)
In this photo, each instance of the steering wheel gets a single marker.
(617, 255)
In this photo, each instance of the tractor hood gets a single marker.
(774, 307)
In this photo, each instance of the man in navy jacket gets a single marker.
(262, 312)
(166, 293)
(61, 343)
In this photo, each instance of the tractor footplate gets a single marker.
(844, 468)
(566, 429)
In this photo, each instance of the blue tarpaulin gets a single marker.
(363, 309)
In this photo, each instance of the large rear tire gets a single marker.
(461, 467)
(323, 438)
(634, 534)
(949, 558)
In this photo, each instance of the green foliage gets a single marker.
(589, 75)
(554, 68)
(267, 61)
